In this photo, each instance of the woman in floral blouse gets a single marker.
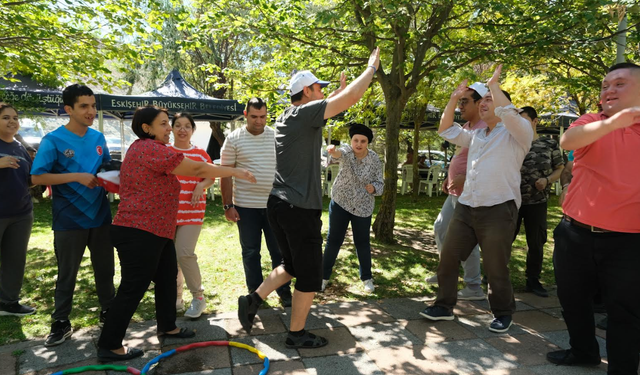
(352, 200)
(144, 228)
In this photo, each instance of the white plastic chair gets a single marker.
(431, 181)
(332, 170)
(407, 176)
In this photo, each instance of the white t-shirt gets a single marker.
(257, 154)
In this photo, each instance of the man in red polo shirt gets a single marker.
(598, 240)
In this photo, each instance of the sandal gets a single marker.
(307, 341)
(185, 333)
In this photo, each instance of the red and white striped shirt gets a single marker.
(188, 214)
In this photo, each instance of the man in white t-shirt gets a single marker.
(252, 147)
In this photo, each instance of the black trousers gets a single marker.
(535, 228)
(144, 257)
(583, 259)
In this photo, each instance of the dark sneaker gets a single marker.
(437, 313)
(567, 358)
(103, 318)
(60, 331)
(105, 355)
(15, 309)
(501, 324)
(247, 309)
(534, 286)
(307, 341)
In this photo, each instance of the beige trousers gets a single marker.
(188, 270)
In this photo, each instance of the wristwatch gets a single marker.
(228, 206)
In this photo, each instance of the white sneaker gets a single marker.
(196, 308)
(324, 285)
(433, 279)
(179, 305)
(468, 294)
(368, 286)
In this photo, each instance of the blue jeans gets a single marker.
(253, 222)
(339, 220)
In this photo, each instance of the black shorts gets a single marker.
(298, 233)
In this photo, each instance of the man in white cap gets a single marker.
(487, 210)
(468, 104)
(294, 207)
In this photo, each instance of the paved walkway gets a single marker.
(374, 337)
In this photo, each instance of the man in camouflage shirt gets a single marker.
(541, 167)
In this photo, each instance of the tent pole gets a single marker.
(100, 121)
(123, 151)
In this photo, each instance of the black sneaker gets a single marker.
(501, 324)
(60, 331)
(247, 309)
(103, 318)
(534, 286)
(437, 313)
(15, 309)
(567, 358)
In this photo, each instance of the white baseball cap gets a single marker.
(480, 88)
(303, 79)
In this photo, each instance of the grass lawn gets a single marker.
(399, 270)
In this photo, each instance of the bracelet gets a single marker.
(548, 182)
(565, 186)
(374, 69)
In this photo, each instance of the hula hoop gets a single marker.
(147, 367)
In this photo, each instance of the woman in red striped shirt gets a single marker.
(191, 211)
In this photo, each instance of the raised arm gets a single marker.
(193, 168)
(518, 127)
(581, 136)
(350, 95)
(448, 115)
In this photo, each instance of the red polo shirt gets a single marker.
(605, 189)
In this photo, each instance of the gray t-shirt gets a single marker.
(298, 145)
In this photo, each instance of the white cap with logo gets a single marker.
(303, 79)
(480, 88)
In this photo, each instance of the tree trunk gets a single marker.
(385, 220)
(417, 122)
(215, 141)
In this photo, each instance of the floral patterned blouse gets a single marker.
(348, 189)
(148, 191)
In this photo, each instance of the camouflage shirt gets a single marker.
(543, 157)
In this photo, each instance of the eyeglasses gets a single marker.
(187, 128)
(463, 102)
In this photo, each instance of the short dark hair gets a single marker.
(624, 65)
(256, 103)
(4, 106)
(298, 96)
(530, 111)
(145, 115)
(183, 115)
(507, 95)
(71, 93)
(475, 96)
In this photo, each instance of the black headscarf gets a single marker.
(362, 130)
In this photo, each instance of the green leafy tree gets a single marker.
(58, 41)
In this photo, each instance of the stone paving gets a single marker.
(373, 337)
